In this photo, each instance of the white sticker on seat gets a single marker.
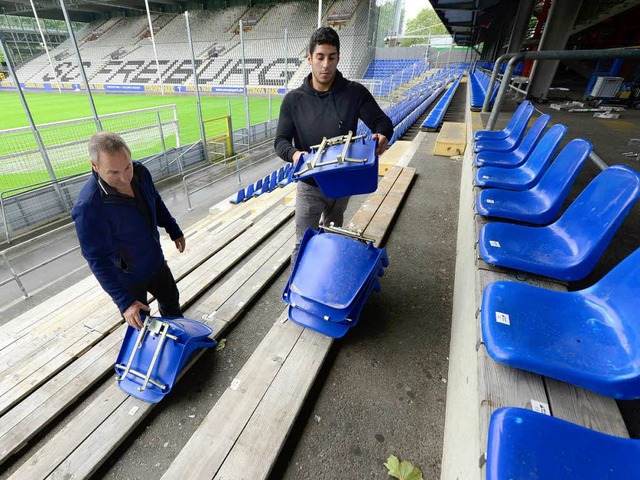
(494, 243)
(503, 318)
(540, 407)
(489, 200)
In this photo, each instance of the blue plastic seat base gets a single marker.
(192, 335)
(527, 445)
(345, 179)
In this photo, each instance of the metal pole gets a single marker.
(286, 58)
(494, 78)
(36, 133)
(153, 43)
(197, 85)
(553, 55)
(72, 37)
(44, 44)
(244, 84)
(319, 13)
(598, 161)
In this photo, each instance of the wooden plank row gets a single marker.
(281, 244)
(36, 373)
(44, 338)
(263, 413)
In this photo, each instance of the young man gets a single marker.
(326, 105)
(117, 216)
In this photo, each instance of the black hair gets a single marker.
(324, 36)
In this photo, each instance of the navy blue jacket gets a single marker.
(116, 239)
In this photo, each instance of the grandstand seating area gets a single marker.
(120, 50)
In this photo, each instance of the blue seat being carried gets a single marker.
(526, 445)
(541, 204)
(528, 174)
(518, 156)
(569, 248)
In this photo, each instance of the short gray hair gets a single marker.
(107, 142)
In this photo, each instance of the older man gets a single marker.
(117, 216)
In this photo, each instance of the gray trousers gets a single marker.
(312, 207)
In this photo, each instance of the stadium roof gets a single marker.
(469, 21)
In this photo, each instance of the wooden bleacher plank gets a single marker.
(392, 157)
(213, 439)
(58, 352)
(452, 139)
(30, 416)
(44, 338)
(371, 204)
(110, 430)
(262, 438)
(383, 218)
(263, 429)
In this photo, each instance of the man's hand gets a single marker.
(383, 142)
(132, 314)
(297, 156)
(180, 244)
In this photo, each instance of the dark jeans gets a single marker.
(163, 287)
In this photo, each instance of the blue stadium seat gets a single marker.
(527, 445)
(589, 338)
(504, 133)
(512, 141)
(436, 116)
(327, 293)
(239, 197)
(569, 248)
(528, 174)
(541, 204)
(518, 156)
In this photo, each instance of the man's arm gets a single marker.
(97, 248)
(163, 215)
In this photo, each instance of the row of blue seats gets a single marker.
(278, 178)
(436, 116)
(590, 337)
(479, 86)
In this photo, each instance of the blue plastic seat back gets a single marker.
(528, 174)
(594, 216)
(323, 275)
(520, 154)
(569, 248)
(191, 336)
(239, 197)
(504, 133)
(589, 338)
(512, 141)
(527, 445)
(541, 204)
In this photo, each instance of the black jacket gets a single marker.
(307, 115)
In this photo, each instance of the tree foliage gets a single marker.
(418, 26)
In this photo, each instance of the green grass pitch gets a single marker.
(55, 107)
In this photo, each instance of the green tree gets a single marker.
(418, 26)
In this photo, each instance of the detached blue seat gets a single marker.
(512, 141)
(518, 156)
(528, 174)
(526, 445)
(504, 133)
(589, 338)
(239, 197)
(541, 204)
(151, 359)
(569, 248)
(331, 280)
